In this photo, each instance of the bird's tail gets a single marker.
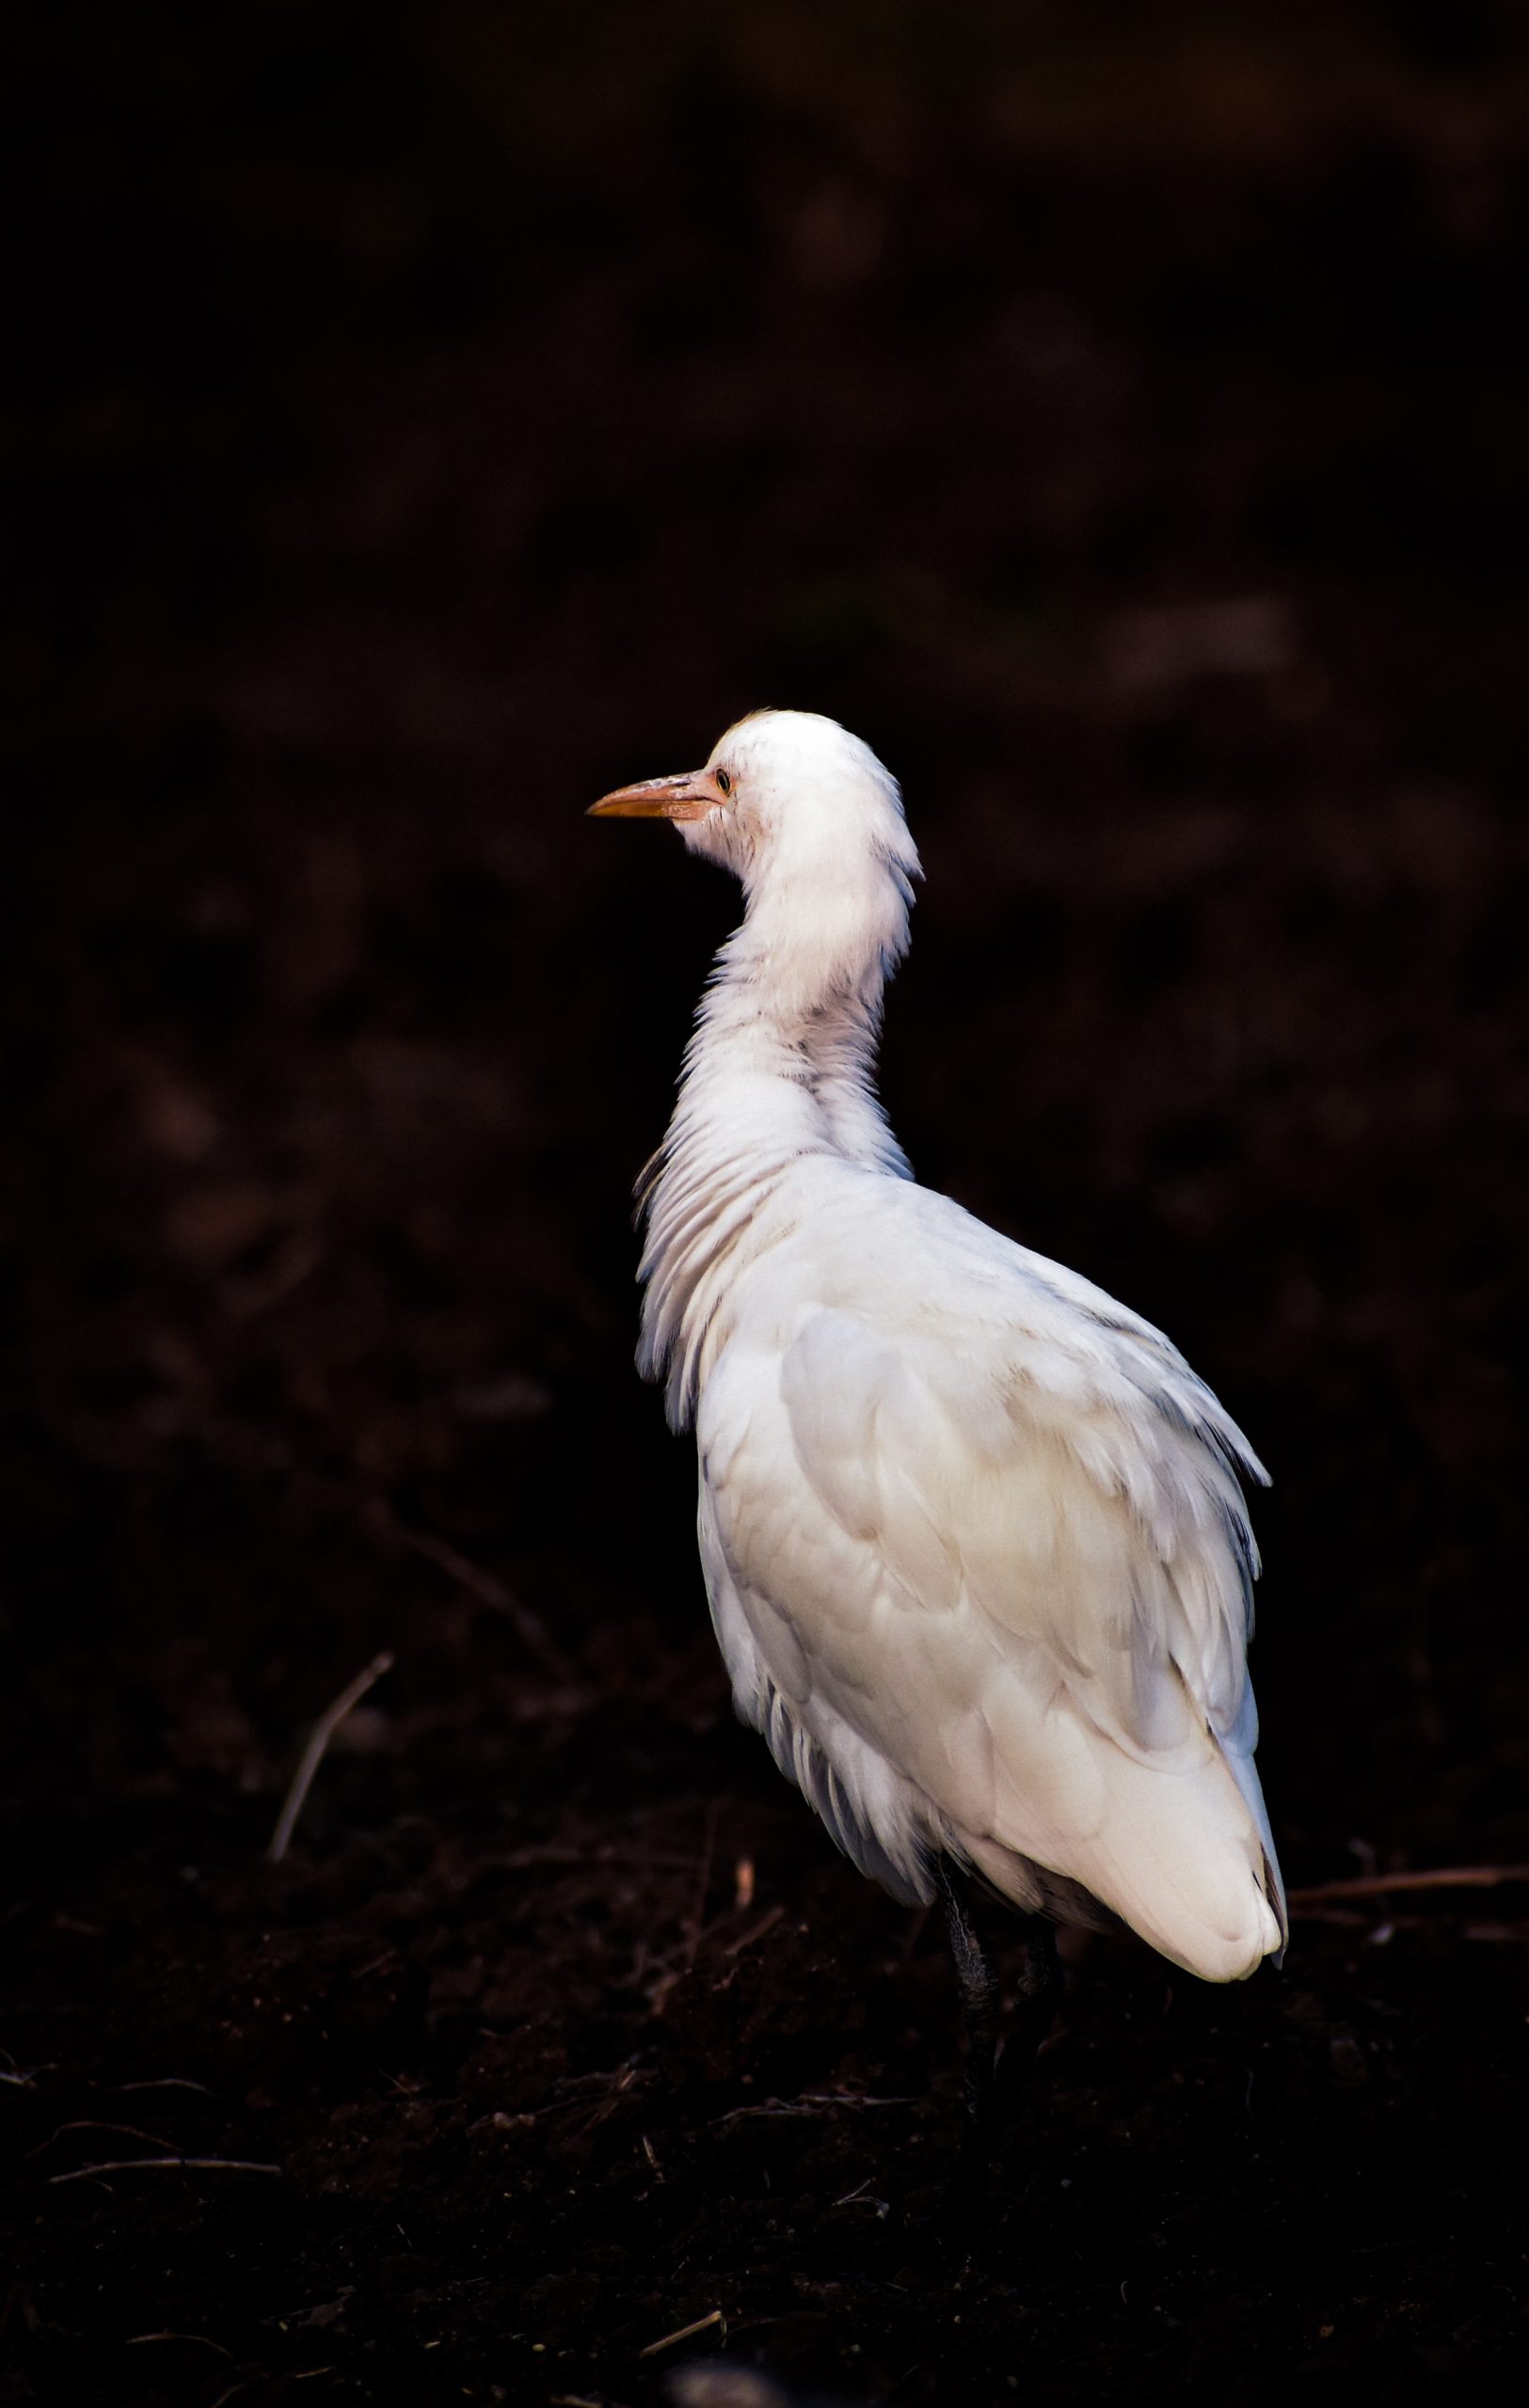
(1182, 1856)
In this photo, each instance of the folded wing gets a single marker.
(996, 1596)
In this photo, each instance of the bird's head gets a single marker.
(784, 792)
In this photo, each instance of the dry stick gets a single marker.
(489, 1590)
(88, 2124)
(766, 1923)
(135, 2340)
(810, 2103)
(312, 1756)
(154, 2165)
(686, 2332)
(695, 1926)
(164, 2081)
(1377, 1885)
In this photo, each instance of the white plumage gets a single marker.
(977, 1553)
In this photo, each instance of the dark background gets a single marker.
(421, 420)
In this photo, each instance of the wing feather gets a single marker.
(985, 1585)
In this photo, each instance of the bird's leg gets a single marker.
(959, 2215)
(1039, 1986)
(979, 2003)
(989, 2102)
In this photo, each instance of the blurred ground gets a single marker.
(427, 418)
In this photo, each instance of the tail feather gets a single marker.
(1245, 1773)
(1184, 1857)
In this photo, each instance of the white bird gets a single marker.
(975, 1550)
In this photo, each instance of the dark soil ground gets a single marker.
(427, 420)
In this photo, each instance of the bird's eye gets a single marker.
(725, 781)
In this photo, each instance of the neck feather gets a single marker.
(781, 1068)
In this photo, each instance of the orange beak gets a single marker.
(689, 796)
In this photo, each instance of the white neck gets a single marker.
(781, 1068)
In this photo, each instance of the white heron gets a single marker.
(976, 1550)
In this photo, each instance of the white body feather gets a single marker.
(975, 1550)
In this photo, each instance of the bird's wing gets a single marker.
(996, 1539)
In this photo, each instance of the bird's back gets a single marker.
(981, 1567)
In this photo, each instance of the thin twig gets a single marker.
(312, 1756)
(488, 1589)
(811, 2102)
(747, 1939)
(176, 2164)
(608, 2105)
(135, 2340)
(164, 2082)
(1352, 1919)
(695, 1926)
(87, 2124)
(616, 2081)
(686, 2332)
(849, 2098)
(1377, 1885)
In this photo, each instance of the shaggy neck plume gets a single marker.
(780, 1067)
